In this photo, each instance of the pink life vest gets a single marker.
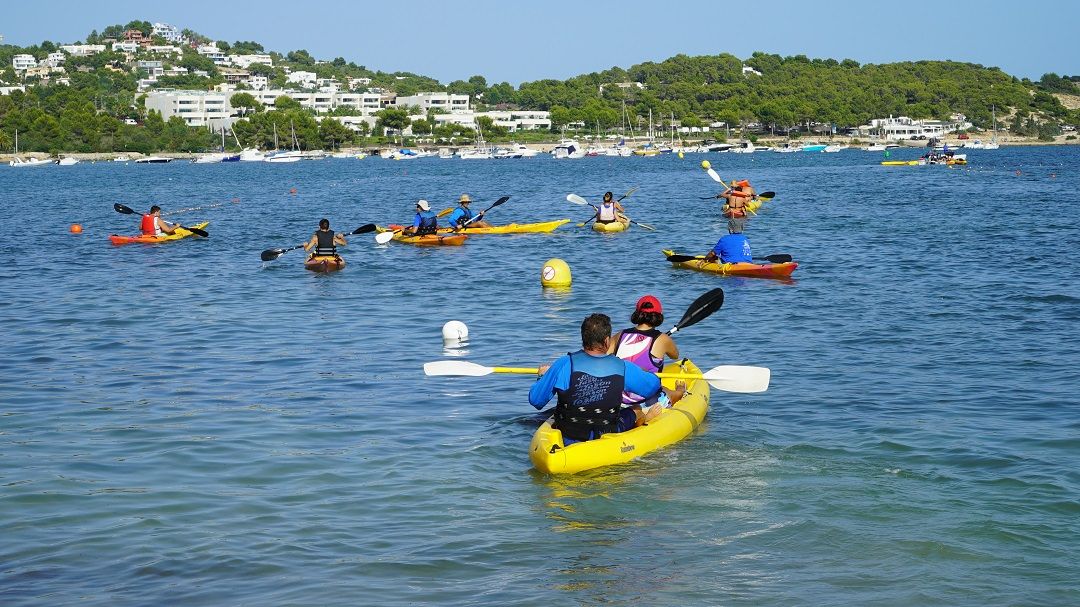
(635, 346)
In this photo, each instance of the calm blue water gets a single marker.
(184, 424)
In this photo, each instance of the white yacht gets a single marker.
(153, 160)
(568, 148)
(746, 148)
(67, 161)
(252, 155)
(19, 162)
(122, 158)
(834, 148)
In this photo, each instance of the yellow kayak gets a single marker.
(614, 226)
(550, 455)
(512, 228)
(896, 163)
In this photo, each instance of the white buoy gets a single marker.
(455, 330)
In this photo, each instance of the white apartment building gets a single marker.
(438, 100)
(245, 61)
(23, 62)
(165, 49)
(902, 127)
(169, 32)
(366, 103)
(153, 68)
(125, 47)
(213, 53)
(258, 83)
(512, 120)
(355, 83)
(55, 59)
(176, 70)
(196, 108)
(82, 50)
(302, 78)
(6, 90)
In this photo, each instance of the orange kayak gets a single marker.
(324, 263)
(433, 240)
(144, 239)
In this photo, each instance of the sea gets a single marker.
(185, 424)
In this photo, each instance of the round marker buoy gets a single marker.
(455, 330)
(555, 273)
(705, 164)
(76, 228)
(681, 155)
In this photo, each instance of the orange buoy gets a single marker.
(76, 228)
(293, 191)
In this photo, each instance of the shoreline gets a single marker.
(547, 146)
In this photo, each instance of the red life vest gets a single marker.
(149, 225)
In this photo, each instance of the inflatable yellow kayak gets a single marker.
(550, 455)
(614, 226)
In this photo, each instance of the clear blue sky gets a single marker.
(521, 41)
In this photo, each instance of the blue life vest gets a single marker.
(590, 406)
(426, 223)
(460, 217)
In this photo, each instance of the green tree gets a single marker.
(394, 120)
(333, 134)
(245, 102)
(284, 102)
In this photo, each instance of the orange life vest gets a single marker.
(149, 225)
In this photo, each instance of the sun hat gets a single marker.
(423, 204)
(649, 303)
(465, 198)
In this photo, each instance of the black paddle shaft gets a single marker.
(702, 308)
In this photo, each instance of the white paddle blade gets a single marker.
(574, 198)
(384, 237)
(734, 378)
(714, 176)
(459, 368)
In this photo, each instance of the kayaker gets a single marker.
(735, 198)
(153, 225)
(733, 247)
(325, 240)
(609, 211)
(425, 221)
(589, 384)
(462, 215)
(647, 347)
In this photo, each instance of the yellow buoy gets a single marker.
(680, 154)
(555, 274)
(705, 164)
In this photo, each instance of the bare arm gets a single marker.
(614, 345)
(340, 240)
(311, 243)
(666, 346)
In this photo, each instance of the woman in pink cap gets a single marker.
(647, 347)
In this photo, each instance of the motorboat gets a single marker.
(67, 161)
(122, 158)
(153, 160)
(745, 148)
(251, 155)
(875, 147)
(33, 162)
(570, 149)
(832, 149)
(814, 147)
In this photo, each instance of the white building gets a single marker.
(82, 50)
(168, 32)
(519, 120)
(449, 102)
(176, 70)
(356, 83)
(258, 83)
(902, 127)
(165, 49)
(196, 108)
(213, 53)
(126, 46)
(302, 78)
(245, 61)
(153, 68)
(353, 122)
(366, 104)
(23, 62)
(6, 90)
(55, 59)
(747, 70)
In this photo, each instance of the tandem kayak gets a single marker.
(143, 239)
(510, 228)
(324, 263)
(614, 226)
(896, 163)
(549, 454)
(751, 207)
(752, 270)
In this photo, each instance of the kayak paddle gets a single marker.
(779, 258)
(700, 309)
(272, 254)
(119, 208)
(729, 378)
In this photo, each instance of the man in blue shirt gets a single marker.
(589, 384)
(732, 248)
(462, 216)
(425, 221)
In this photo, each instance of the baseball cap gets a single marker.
(649, 304)
(423, 204)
